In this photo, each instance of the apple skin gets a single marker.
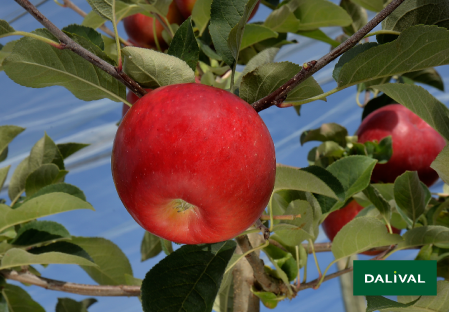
(139, 27)
(415, 143)
(200, 144)
(186, 8)
(339, 218)
(131, 98)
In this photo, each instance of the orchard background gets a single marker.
(67, 119)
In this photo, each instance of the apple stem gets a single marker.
(263, 228)
(308, 71)
(315, 258)
(156, 40)
(117, 40)
(71, 45)
(164, 22)
(298, 279)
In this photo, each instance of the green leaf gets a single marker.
(43, 152)
(68, 149)
(416, 48)
(438, 303)
(37, 64)
(264, 57)
(256, 33)
(5, 28)
(320, 13)
(416, 12)
(225, 14)
(358, 15)
(18, 179)
(54, 188)
(236, 34)
(184, 45)
(7, 134)
(70, 305)
(350, 55)
(377, 103)
(268, 299)
(18, 257)
(5, 51)
(150, 246)
(112, 262)
(425, 235)
(93, 20)
(378, 201)
(327, 132)
(294, 232)
(268, 77)
(192, 274)
(102, 8)
(36, 232)
(361, 234)
(312, 179)
(166, 246)
(19, 300)
(201, 14)
(40, 206)
(282, 20)
(440, 164)
(44, 175)
(411, 195)
(284, 260)
(110, 48)
(318, 34)
(372, 5)
(62, 247)
(376, 303)
(428, 76)
(86, 32)
(422, 103)
(3, 174)
(224, 299)
(153, 69)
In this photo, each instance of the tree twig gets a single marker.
(267, 282)
(314, 66)
(71, 45)
(315, 282)
(80, 289)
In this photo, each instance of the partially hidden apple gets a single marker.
(415, 143)
(339, 218)
(139, 27)
(186, 7)
(193, 164)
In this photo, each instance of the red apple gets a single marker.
(415, 143)
(339, 218)
(139, 27)
(131, 98)
(193, 164)
(186, 7)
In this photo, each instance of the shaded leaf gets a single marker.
(112, 263)
(184, 45)
(438, 303)
(372, 5)
(68, 149)
(150, 246)
(5, 51)
(40, 206)
(7, 134)
(268, 77)
(18, 179)
(283, 20)
(86, 32)
(224, 299)
(201, 14)
(378, 201)
(19, 300)
(376, 103)
(358, 15)
(18, 257)
(440, 164)
(431, 234)
(36, 232)
(416, 48)
(327, 132)
(3, 174)
(320, 13)
(62, 247)
(5, 28)
(428, 76)
(376, 303)
(37, 64)
(70, 305)
(255, 33)
(361, 234)
(422, 103)
(44, 175)
(193, 273)
(264, 57)
(349, 55)
(154, 69)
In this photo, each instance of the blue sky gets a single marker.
(67, 119)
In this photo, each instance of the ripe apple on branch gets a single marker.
(195, 164)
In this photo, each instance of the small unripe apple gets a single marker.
(339, 218)
(139, 27)
(193, 164)
(415, 143)
(186, 8)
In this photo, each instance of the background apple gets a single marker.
(193, 164)
(415, 143)
(339, 218)
(186, 7)
(139, 27)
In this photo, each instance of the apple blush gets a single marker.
(193, 164)
(415, 143)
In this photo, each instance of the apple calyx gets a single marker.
(181, 205)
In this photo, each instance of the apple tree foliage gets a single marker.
(413, 41)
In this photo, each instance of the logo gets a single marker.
(395, 278)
